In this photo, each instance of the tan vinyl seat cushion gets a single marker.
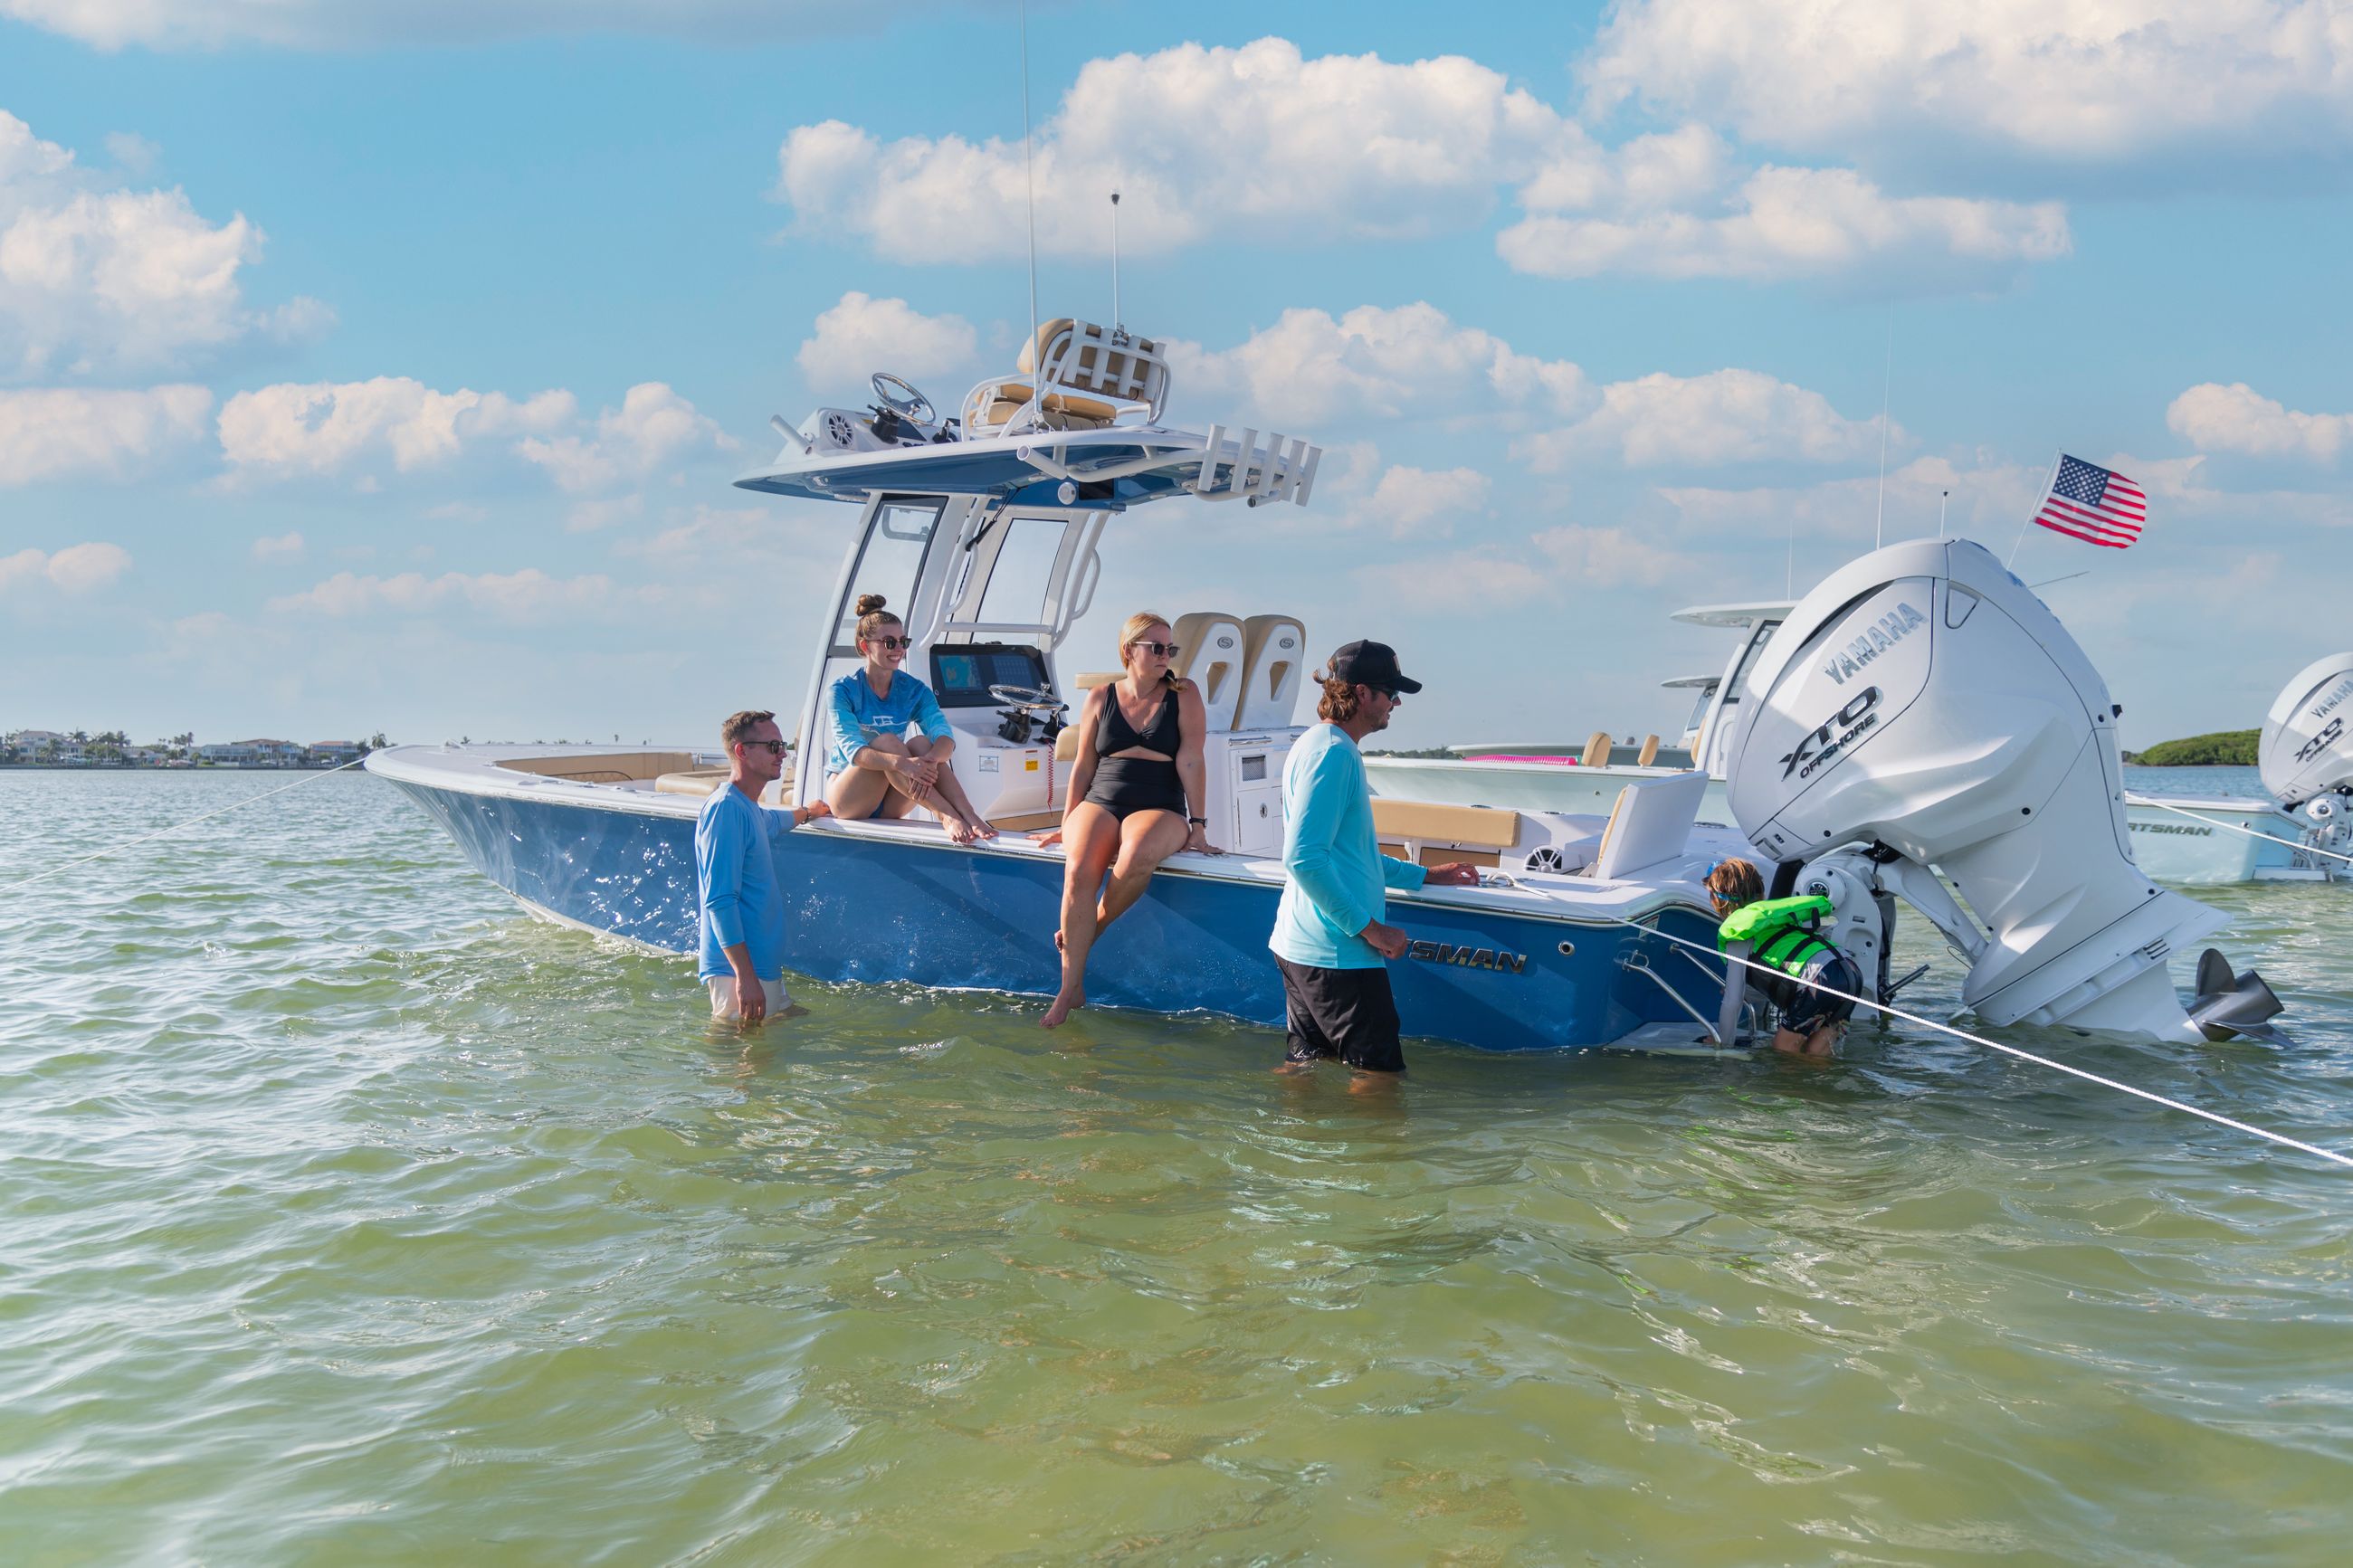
(1097, 365)
(1487, 825)
(699, 781)
(610, 767)
(1033, 352)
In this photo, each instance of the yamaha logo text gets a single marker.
(1878, 638)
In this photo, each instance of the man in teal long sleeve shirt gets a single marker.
(1329, 938)
(742, 957)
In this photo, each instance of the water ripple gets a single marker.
(353, 1216)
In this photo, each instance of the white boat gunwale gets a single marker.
(1535, 896)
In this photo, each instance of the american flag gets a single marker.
(2093, 504)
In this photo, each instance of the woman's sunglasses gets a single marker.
(1165, 649)
(892, 643)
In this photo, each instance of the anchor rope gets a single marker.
(166, 832)
(2216, 1117)
(2236, 827)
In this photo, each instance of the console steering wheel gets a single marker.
(1033, 697)
(902, 399)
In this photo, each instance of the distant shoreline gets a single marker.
(153, 768)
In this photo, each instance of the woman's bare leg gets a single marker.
(950, 790)
(856, 793)
(1091, 841)
(946, 798)
(1145, 839)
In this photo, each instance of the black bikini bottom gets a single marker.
(1125, 785)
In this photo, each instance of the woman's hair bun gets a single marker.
(869, 603)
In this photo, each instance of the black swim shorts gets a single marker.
(1347, 1015)
(1809, 1009)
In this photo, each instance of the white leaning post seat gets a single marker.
(1212, 660)
(1651, 821)
(1087, 377)
(1273, 654)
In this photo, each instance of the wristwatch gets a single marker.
(1198, 821)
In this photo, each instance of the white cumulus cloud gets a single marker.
(354, 23)
(1258, 139)
(1413, 501)
(76, 569)
(1262, 142)
(1724, 416)
(2238, 419)
(2061, 81)
(1783, 223)
(281, 547)
(96, 280)
(328, 427)
(653, 426)
(1377, 362)
(65, 433)
(529, 594)
(860, 335)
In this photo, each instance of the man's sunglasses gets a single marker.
(778, 747)
(892, 642)
(1165, 649)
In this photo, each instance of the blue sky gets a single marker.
(368, 365)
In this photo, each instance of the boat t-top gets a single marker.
(988, 526)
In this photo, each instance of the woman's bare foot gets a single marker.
(1065, 1004)
(959, 830)
(984, 828)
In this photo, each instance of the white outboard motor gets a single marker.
(1922, 703)
(2306, 757)
(2307, 751)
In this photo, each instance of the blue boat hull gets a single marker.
(937, 915)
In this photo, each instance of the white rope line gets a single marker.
(164, 832)
(2235, 827)
(2278, 1138)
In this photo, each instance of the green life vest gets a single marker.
(1778, 929)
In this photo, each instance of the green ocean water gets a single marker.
(351, 1217)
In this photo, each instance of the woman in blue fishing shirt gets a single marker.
(872, 769)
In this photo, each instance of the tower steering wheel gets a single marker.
(901, 399)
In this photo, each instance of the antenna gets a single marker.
(1887, 380)
(1029, 183)
(1941, 507)
(1115, 323)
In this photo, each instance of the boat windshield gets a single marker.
(890, 564)
(1719, 738)
(1699, 710)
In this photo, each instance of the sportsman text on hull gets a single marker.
(1921, 707)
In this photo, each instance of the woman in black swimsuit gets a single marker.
(1139, 763)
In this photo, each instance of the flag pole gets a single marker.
(2022, 527)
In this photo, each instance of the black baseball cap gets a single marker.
(1371, 664)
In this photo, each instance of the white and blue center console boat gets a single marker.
(987, 530)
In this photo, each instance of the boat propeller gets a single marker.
(2229, 1004)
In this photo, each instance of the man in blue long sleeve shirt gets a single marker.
(1329, 938)
(743, 948)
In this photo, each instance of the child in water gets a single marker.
(1788, 949)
